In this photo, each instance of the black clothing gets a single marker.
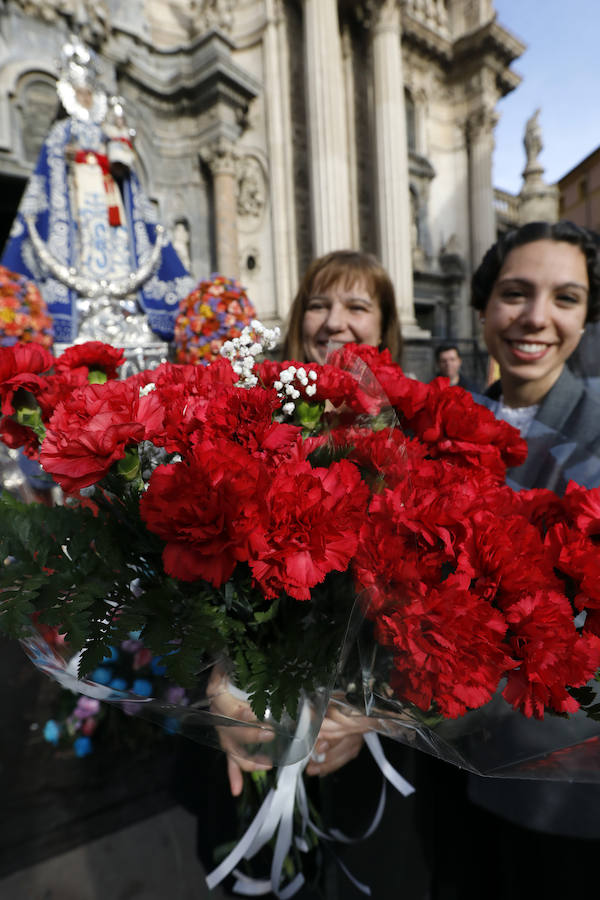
(391, 861)
(466, 384)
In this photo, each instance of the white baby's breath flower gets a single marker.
(243, 350)
(289, 382)
(147, 389)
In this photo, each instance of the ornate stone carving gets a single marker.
(481, 123)
(40, 9)
(221, 157)
(477, 12)
(88, 17)
(537, 199)
(431, 13)
(182, 242)
(375, 14)
(533, 140)
(251, 189)
(212, 14)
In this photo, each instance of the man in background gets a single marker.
(448, 363)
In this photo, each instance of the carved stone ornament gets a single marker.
(221, 157)
(39, 9)
(251, 191)
(533, 139)
(481, 123)
(212, 14)
(377, 13)
(90, 17)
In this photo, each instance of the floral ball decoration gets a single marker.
(23, 313)
(216, 311)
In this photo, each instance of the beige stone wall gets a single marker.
(317, 153)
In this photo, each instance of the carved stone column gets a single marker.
(280, 155)
(327, 127)
(392, 157)
(350, 91)
(221, 158)
(480, 139)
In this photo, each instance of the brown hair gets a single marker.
(346, 266)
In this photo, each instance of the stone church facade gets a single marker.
(272, 131)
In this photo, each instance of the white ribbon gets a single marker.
(401, 784)
(277, 814)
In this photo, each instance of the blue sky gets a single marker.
(561, 75)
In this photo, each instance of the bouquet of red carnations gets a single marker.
(214, 509)
(231, 515)
(192, 516)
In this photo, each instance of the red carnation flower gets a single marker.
(314, 519)
(452, 423)
(368, 363)
(552, 654)
(93, 356)
(51, 389)
(187, 394)
(209, 510)
(576, 556)
(14, 435)
(91, 430)
(582, 505)
(246, 416)
(20, 367)
(448, 648)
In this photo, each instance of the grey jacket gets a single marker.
(564, 445)
(564, 441)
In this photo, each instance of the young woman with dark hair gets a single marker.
(535, 290)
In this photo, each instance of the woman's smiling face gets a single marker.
(341, 314)
(535, 316)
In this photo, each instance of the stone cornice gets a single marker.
(204, 68)
(497, 46)
(492, 42)
(426, 40)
